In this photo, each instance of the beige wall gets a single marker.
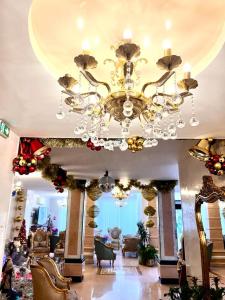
(8, 150)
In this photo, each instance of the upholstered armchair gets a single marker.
(115, 237)
(40, 243)
(104, 252)
(60, 246)
(51, 267)
(130, 245)
(45, 288)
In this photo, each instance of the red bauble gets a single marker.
(60, 190)
(215, 158)
(32, 169)
(89, 144)
(93, 147)
(22, 170)
(209, 164)
(16, 168)
(98, 148)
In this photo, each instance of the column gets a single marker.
(167, 231)
(89, 236)
(216, 235)
(8, 151)
(74, 259)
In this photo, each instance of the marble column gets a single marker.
(167, 231)
(74, 258)
(89, 236)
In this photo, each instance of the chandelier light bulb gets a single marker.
(129, 84)
(173, 136)
(167, 47)
(147, 143)
(127, 34)
(194, 121)
(125, 131)
(101, 142)
(60, 115)
(82, 128)
(94, 140)
(180, 123)
(165, 135)
(158, 117)
(187, 67)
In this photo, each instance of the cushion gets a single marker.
(43, 244)
(36, 244)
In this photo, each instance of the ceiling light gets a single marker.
(125, 100)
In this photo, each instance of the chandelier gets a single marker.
(153, 105)
(120, 196)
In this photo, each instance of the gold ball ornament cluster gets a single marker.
(135, 144)
(149, 211)
(149, 223)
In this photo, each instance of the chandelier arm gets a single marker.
(85, 95)
(162, 80)
(90, 78)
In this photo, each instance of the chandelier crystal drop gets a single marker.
(127, 99)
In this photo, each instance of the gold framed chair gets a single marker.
(50, 266)
(130, 245)
(40, 245)
(43, 286)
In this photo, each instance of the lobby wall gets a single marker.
(8, 150)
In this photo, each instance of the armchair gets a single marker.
(40, 243)
(50, 266)
(60, 246)
(43, 286)
(104, 252)
(130, 245)
(115, 237)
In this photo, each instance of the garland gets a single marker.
(164, 185)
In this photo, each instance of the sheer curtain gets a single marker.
(125, 218)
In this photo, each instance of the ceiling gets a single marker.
(30, 93)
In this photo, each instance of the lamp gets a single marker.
(201, 150)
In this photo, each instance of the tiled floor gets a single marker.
(128, 281)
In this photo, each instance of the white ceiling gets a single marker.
(29, 94)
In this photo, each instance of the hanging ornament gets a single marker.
(92, 146)
(216, 164)
(60, 180)
(39, 149)
(106, 183)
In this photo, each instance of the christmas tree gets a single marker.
(22, 233)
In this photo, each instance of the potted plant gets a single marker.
(150, 255)
(146, 253)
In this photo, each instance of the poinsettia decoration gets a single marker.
(216, 164)
(30, 152)
(91, 146)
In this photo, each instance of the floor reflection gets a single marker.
(129, 281)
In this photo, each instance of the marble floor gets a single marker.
(126, 281)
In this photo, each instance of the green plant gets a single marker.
(196, 292)
(151, 252)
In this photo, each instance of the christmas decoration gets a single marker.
(91, 146)
(30, 152)
(93, 211)
(106, 183)
(149, 211)
(135, 143)
(216, 164)
(60, 180)
(149, 224)
(22, 233)
(92, 224)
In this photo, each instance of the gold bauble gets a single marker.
(129, 147)
(33, 161)
(149, 211)
(92, 224)
(217, 166)
(221, 159)
(18, 219)
(130, 141)
(19, 207)
(93, 211)
(140, 147)
(22, 162)
(149, 223)
(140, 141)
(134, 147)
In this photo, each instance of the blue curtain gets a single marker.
(125, 218)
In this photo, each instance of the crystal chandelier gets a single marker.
(153, 105)
(120, 196)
